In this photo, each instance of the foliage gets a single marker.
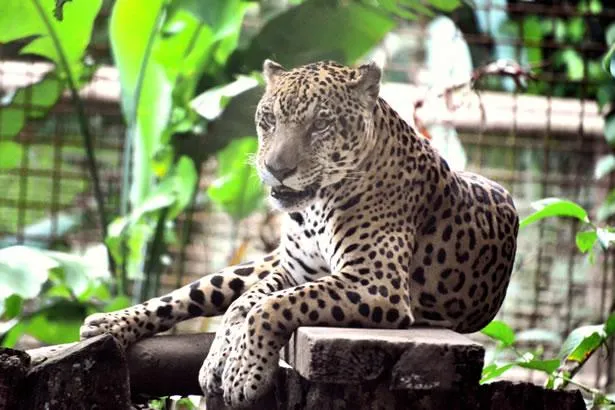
(576, 349)
(537, 31)
(63, 44)
(47, 294)
(554, 207)
(173, 402)
(583, 341)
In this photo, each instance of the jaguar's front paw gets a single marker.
(120, 325)
(210, 375)
(249, 372)
(95, 325)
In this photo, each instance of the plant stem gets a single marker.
(83, 125)
(152, 266)
(581, 385)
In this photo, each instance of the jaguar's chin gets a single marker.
(288, 199)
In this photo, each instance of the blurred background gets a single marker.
(126, 129)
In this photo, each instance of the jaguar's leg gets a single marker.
(208, 296)
(210, 376)
(330, 301)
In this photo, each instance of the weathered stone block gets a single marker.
(14, 365)
(414, 359)
(87, 375)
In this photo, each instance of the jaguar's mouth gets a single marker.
(288, 197)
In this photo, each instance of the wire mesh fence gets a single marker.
(541, 142)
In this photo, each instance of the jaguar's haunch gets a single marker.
(379, 232)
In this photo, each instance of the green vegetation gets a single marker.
(582, 342)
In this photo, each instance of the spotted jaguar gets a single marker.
(378, 232)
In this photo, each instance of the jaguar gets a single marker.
(378, 232)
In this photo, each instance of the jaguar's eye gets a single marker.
(320, 125)
(268, 119)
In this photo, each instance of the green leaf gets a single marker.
(532, 32)
(586, 347)
(29, 102)
(77, 272)
(609, 129)
(560, 30)
(127, 240)
(418, 7)
(595, 6)
(493, 370)
(146, 89)
(23, 271)
(11, 154)
(181, 184)
(140, 235)
(500, 331)
(574, 64)
(391, 6)
(58, 291)
(596, 74)
(37, 21)
(222, 16)
(581, 341)
(575, 29)
(12, 332)
(11, 307)
(346, 31)
(549, 207)
(237, 190)
(160, 64)
(604, 166)
(602, 401)
(445, 5)
(608, 61)
(163, 161)
(609, 325)
(586, 240)
(64, 43)
(57, 323)
(547, 366)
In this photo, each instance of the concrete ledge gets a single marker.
(415, 359)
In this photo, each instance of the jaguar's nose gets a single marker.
(280, 173)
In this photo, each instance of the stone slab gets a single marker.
(414, 359)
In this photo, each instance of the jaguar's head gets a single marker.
(315, 126)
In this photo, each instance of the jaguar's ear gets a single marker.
(368, 81)
(271, 71)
